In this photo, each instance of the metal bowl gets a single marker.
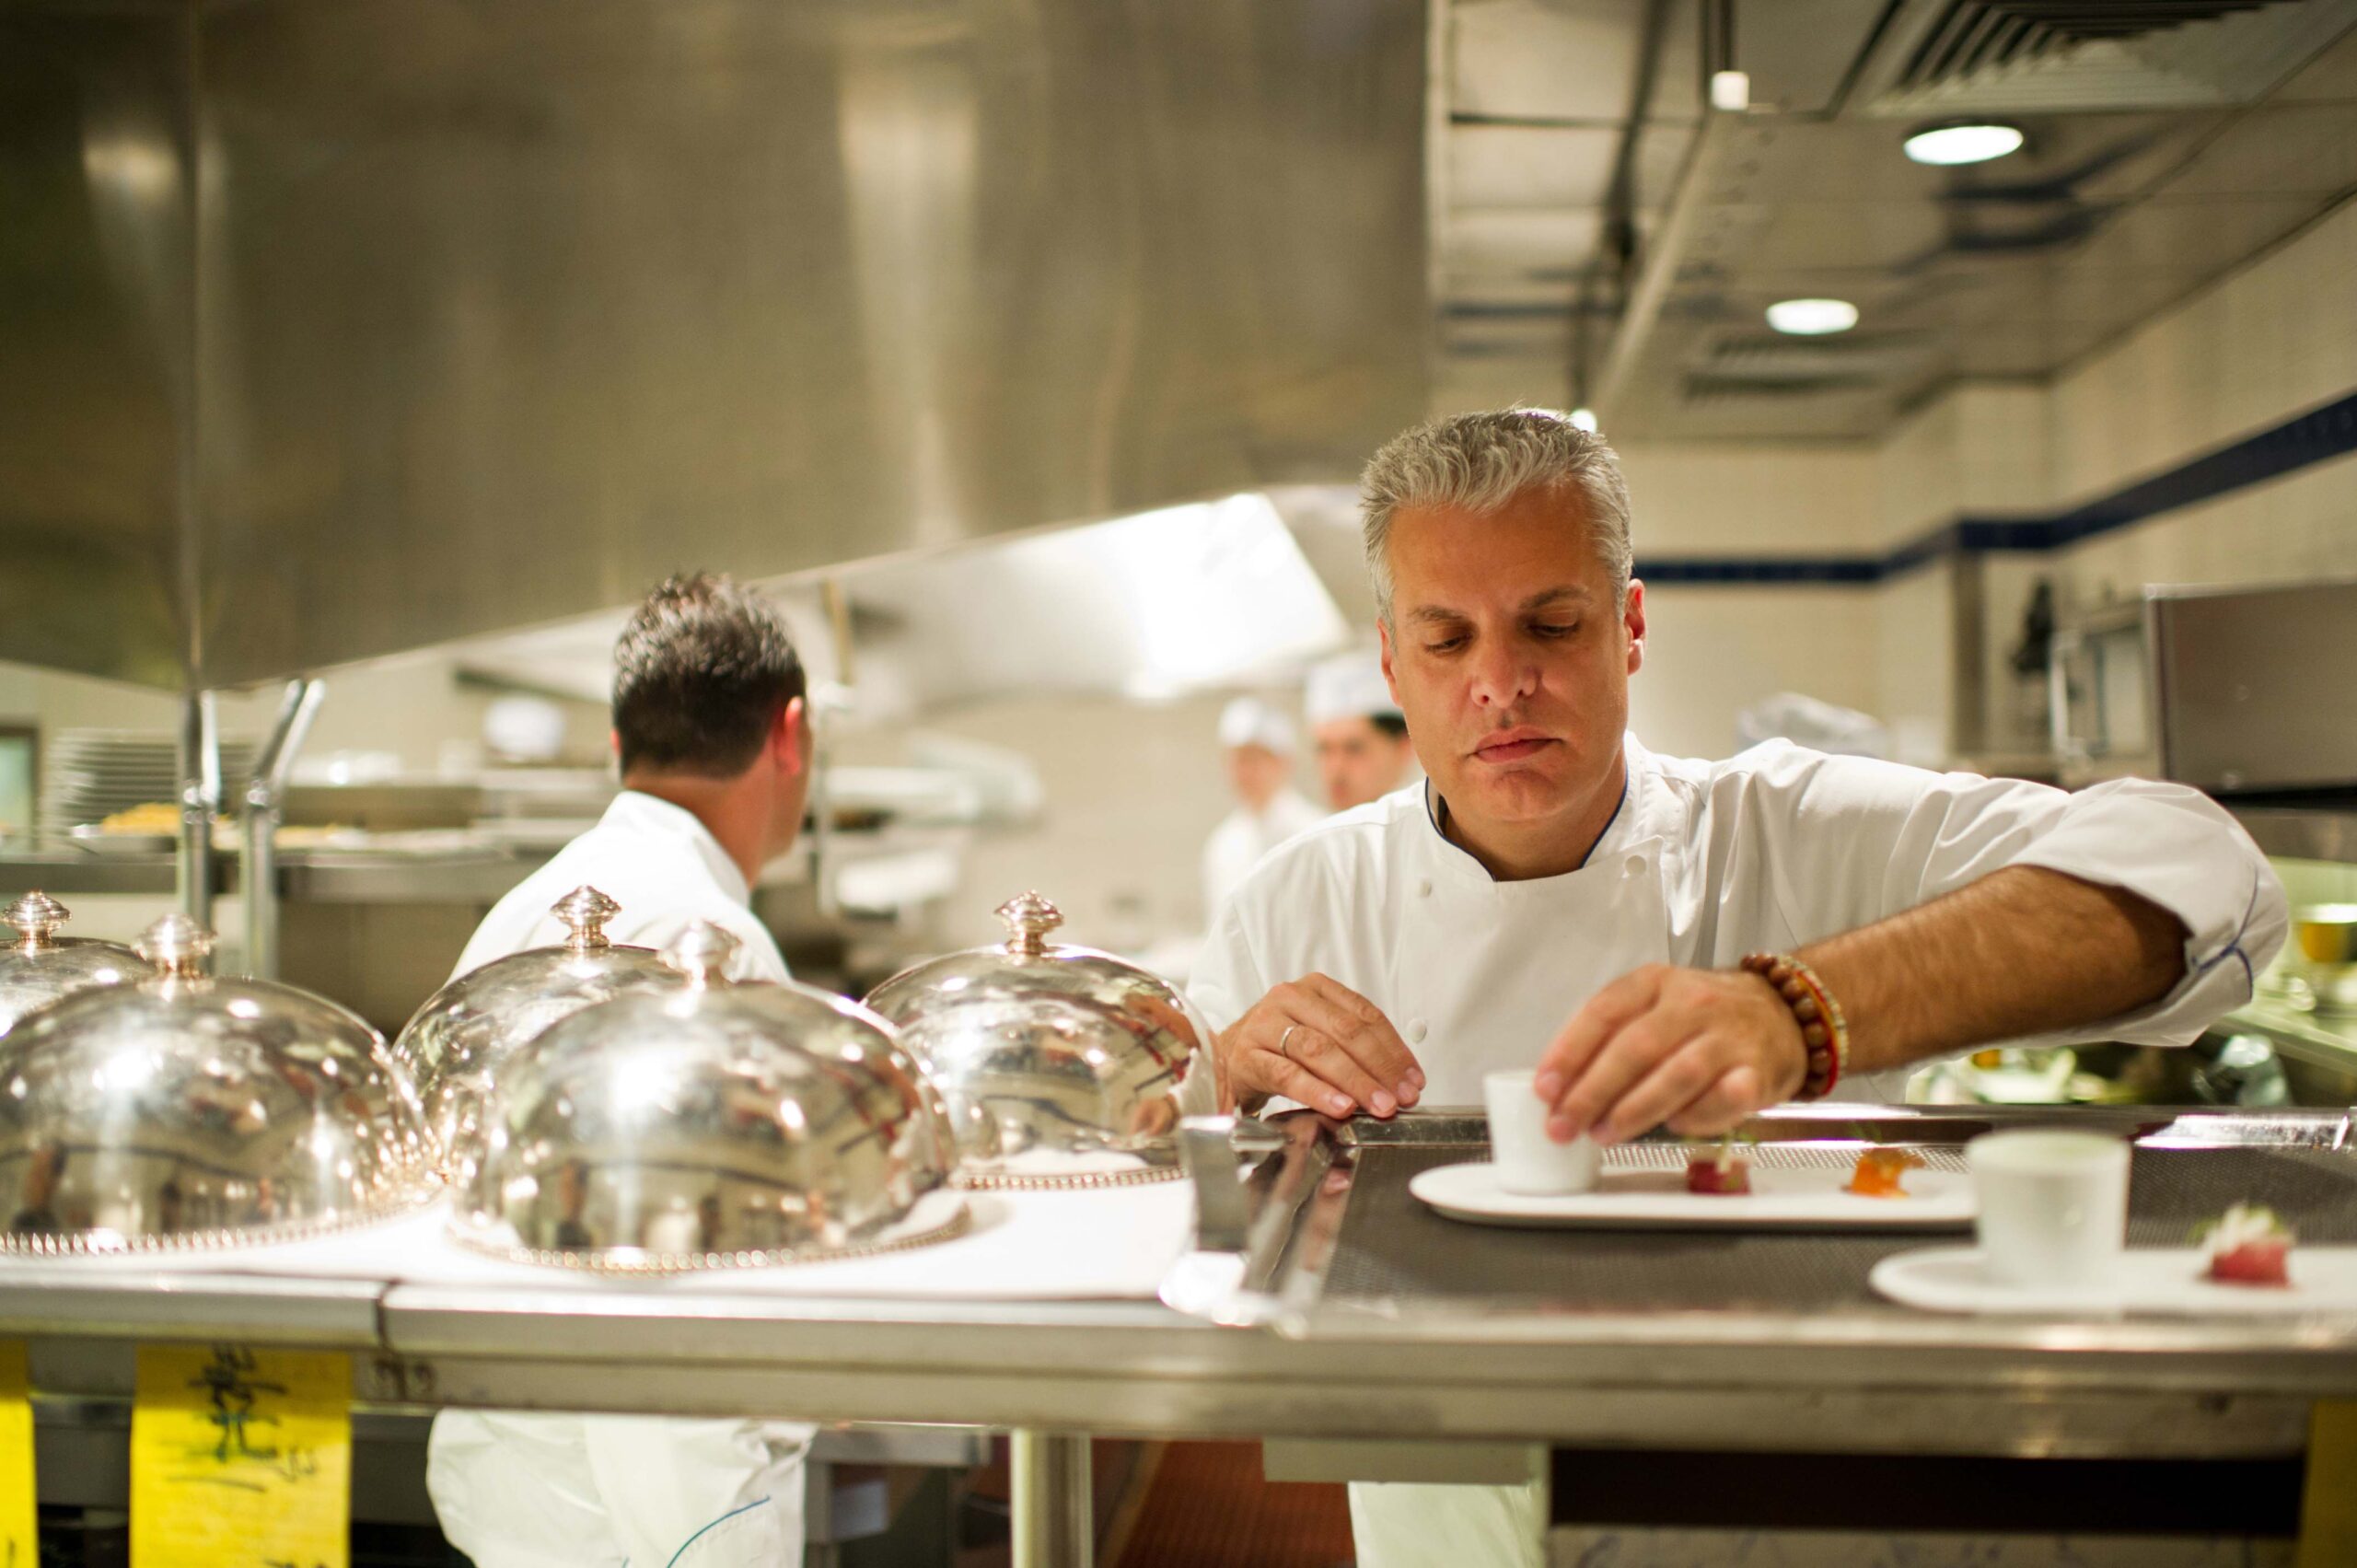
(1047, 1050)
(40, 966)
(183, 1111)
(711, 1126)
(459, 1042)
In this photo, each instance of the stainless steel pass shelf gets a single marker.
(304, 877)
(1294, 1330)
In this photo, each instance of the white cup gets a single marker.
(2053, 1206)
(1530, 1162)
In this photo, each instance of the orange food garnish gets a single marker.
(1879, 1170)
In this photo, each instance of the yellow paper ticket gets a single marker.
(19, 1545)
(241, 1459)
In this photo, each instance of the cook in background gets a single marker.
(1356, 731)
(714, 739)
(1559, 896)
(1258, 743)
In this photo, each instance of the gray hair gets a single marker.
(1478, 462)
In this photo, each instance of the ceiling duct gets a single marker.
(1955, 57)
(1846, 360)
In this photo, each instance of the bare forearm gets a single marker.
(2019, 952)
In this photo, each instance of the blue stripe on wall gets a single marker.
(2321, 434)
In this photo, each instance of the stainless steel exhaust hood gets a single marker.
(332, 328)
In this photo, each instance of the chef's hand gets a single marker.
(1317, 1041)
(1697, 1050)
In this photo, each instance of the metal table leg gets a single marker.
(1054, 1517)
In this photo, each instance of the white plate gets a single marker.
(1801, 1200)
(2156, 1279)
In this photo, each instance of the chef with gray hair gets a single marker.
(1558, 898)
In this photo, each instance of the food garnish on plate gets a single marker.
(2249, 1246)
(1723, 1172)
(1879, 1171)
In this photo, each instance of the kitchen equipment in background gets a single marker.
(2321, 970)
(711, 1125)
(2099, 681)
(469, 1032)
(40, 966)
(1062, 1065)
(182, 1111)
(88, 776)
(2238, 691)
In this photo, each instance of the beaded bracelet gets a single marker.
(1823, 1028)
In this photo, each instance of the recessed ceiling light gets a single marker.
(1584, 418)
(1808, 317)
(1947, 144)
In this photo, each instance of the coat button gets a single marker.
(1415, 1031)
(1424, 888)
(1635, 866)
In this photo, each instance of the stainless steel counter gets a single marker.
(1318, 1362)
(305, 875)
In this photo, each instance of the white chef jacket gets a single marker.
(1705, 861)
(656, 860)
(1245, 835)
(553, 1491)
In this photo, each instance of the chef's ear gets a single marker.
(1390, 681)
(792, 736)
(1632, 618)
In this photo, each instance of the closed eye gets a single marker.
(1555, 629)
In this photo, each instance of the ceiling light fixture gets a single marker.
(1584, 419)
(1949, 145)
(1812, 318)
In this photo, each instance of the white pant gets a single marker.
(1402, 1526)
(534, 1490)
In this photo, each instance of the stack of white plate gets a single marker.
(89, 775)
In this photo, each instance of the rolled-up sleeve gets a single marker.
(2176, 848)
(1872, 839)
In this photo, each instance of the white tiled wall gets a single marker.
(1746, 498)
(2263, 344)
(1713, 651)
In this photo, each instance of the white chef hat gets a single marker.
(1348, 686)
(1248, 721)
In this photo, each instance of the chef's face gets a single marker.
(1509, 657)
(1358, 761)
(1257, 773)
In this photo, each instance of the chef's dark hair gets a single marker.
(701, 673)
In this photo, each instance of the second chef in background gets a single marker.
(713, 738)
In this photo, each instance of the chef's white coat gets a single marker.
(656, 860)
(1705, 862)
(535, 1491)
(1245, 835)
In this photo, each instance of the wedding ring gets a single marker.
(1283, 1040)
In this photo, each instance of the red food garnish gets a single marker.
(2265, 1262)
(1879, 1170)
(1720, 1175)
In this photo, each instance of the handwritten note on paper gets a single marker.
(19, 1546)
(241, 1459)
